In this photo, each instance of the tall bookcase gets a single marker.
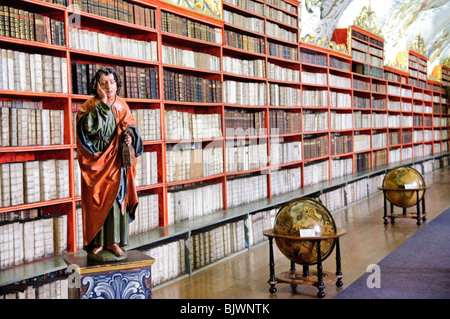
(236, 115)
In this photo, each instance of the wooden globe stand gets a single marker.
(405, 214)
(316, 278)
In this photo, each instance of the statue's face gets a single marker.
(109, 85)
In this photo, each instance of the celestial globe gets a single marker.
(397, 180)
(304, 217)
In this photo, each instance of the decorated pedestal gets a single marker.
(126, 279)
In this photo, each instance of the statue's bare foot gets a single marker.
(97, 249)
(115, 249)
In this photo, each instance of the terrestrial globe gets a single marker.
(398, 180)
(304, 217)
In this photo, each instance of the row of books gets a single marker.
(248, 5)
(21, 71)
(341, 121)
(248, 23)
(276, 72)
(191, 161)
(244, 93)
(361, 120)
(360, 102)
(361, 85)
(340, 81)
(136, 82)
(334, 199)
(316, 78)
(361, 142)
(187, 88)
(286, 180)
(280, 16)
(97, 42)
(119, 10)
(283, 51)
(280, 95)
(341, 167)
(259, 222)
(193, 202)
(315, 146)
(282, 122)
(169, 261)
(313, 58)
(315, 121)
(24, 123)
(186, 126)
(362, 162)
(339, 64)
(283, 153)
(238, 192)
(148, 123)
(379, 119)
(26, 25)
(244, 42)
(192, 59)
(379, 140)
(315, 172)
(147, 169)
(341, 144)
(176, 24)
(245, 155)
(242, 122)
(276, 31)
(30, 240)
(315, 98)
(48, 288)
(341, 100)
(283, 5)
(146, 215)
(255, 68)
(356, 191)
(217, 243)
(379, 158)
(33, 181)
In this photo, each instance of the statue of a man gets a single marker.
(108, 192)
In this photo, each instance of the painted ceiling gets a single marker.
(399, 21)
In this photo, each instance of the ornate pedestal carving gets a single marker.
(126, 279)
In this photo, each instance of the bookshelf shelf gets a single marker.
(350, 90)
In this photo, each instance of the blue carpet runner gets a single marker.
(418, 269)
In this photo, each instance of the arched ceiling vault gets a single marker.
(399, 21)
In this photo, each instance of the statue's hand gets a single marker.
(128, 139)
(101, 93)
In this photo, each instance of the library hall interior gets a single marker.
(246, 150)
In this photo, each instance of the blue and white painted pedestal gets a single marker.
(126, 279)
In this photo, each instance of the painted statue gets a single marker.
(108, 191)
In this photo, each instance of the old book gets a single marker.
(39, 239)
(45, 127)
(38, 75)
(31, 182)
(47, 180)
(29, 242)
(62, 178)
(47, 226)
(6, 189)
(16, 183)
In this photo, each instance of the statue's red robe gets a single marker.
(100, 173)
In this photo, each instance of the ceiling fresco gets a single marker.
(400, 22)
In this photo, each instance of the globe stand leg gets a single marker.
(419, 220)
(272, 279)
(320, 285)
(305, 271)
(385, 216)
(424, 218)
(339, 282)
